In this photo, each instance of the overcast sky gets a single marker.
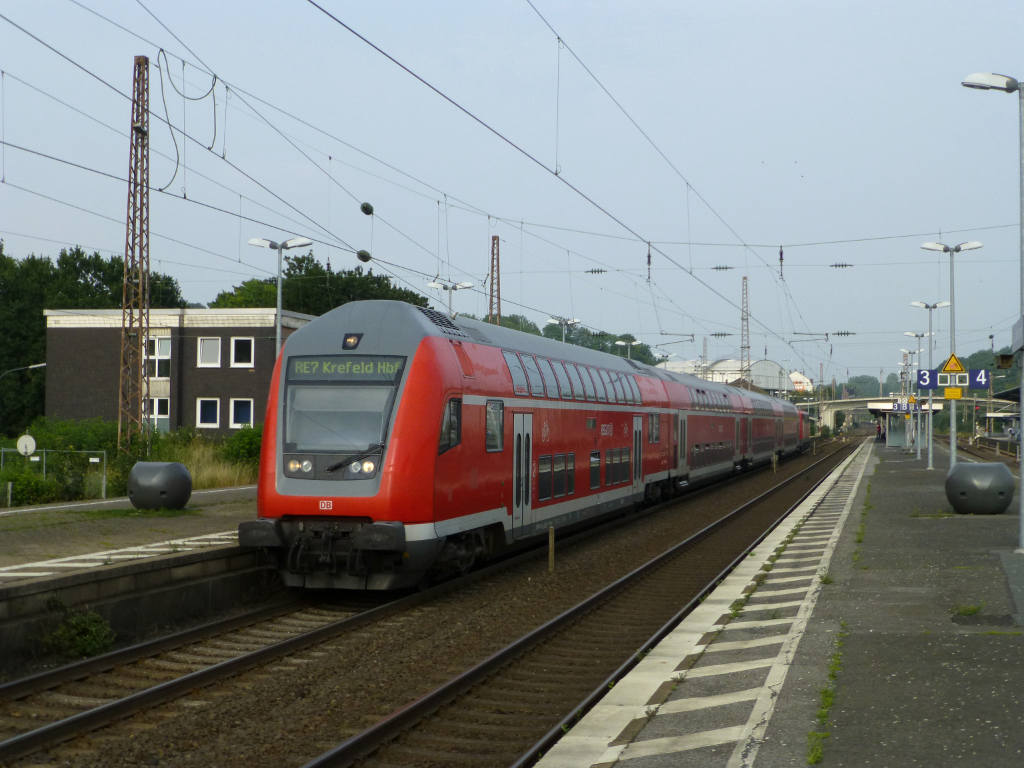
(715, 131)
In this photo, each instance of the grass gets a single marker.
(209, 470)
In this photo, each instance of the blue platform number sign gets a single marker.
(927, 378)
(980, 378)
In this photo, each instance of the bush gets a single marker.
(29, 487)
(244, 445)
(81, 634)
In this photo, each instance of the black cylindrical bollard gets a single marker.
(159, 485)
(984, 488)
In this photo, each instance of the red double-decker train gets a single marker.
(400, 442)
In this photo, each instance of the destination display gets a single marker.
(380, 369)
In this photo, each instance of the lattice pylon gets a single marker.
(133, 383)
(494, 305)
(745, 335)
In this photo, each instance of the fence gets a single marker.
(9, 455)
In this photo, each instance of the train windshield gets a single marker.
(339, 402)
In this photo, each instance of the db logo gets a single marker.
(326, 504)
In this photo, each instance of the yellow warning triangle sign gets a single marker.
(953, 365)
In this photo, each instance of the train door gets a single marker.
(522, 441)
(638, 442)
(736, 442)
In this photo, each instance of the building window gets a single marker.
(241, 412)
(495, 426)
(158, 357)
(158, 412)
(209, 352)
(207, 412)
(242, 351)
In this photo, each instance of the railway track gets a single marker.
(516, 702)
(49, 707)
(77, 700)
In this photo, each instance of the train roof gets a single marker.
(401, 320)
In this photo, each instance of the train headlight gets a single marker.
(368, 467)
(300, 465)
(355, 468)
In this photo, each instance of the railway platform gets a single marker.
(873, 628)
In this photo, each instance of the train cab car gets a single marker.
(400, 443)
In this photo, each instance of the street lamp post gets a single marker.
(295, 242)
(952, 250)
(628, 345)
(988, 81)
(930, 307)
(565, 322)
(917, 429)
(450, 287)
(22, 368)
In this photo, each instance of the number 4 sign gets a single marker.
(980, 378)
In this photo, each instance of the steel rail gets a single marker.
(363, 744)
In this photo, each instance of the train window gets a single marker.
(564, 386)
(543, 478)
(526, 463)
(533, 372)
(620, 396)
(520, 385)
(636, 389)
(654, 427)
(558, 475)
(589, 391)
(495, 425)
(519, 474)
(607, 380)
(570, 473)
(598, 384)
(451, 425)
(548, 375)
(575, 380)
(595, 469)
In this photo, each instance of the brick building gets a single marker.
(209, 368)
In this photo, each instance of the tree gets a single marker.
(520, 323)
(313, 289)
(862, 386)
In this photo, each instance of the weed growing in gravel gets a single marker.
(967, 610)
(827, 579)
(816, 738)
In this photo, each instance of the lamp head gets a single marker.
(989, 81)
(968, 246)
